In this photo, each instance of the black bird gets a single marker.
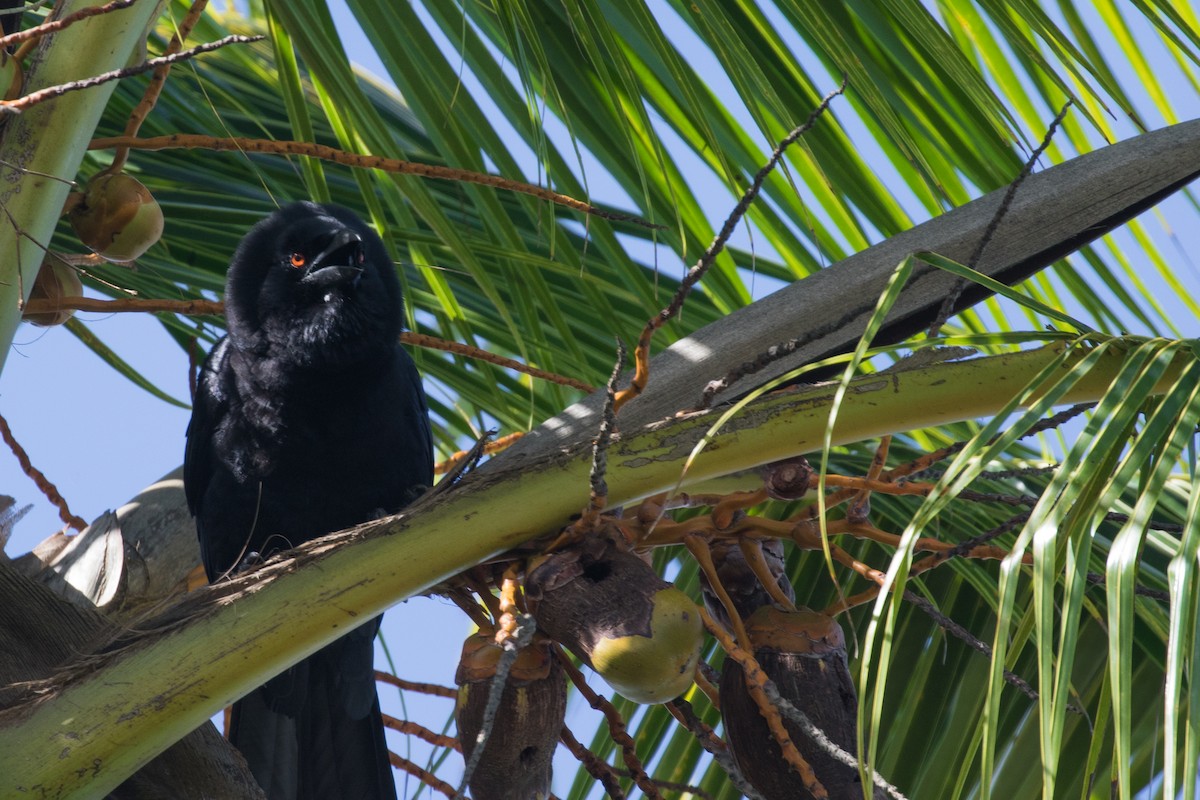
(309, 418)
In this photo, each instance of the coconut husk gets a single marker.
(516, 760)
(804, 654)
(739, 580)
(591, 591)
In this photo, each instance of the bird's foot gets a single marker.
(253, 560)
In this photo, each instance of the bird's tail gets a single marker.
(315, 731)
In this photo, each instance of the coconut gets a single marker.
(609, 608)
(804, 654)
(739, 580)
(55, 282)
(116, 217)
(516, 759)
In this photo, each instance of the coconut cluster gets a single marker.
(803, 653)
(117, 218)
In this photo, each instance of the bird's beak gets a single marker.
(339, 262)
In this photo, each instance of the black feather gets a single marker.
(309, 418)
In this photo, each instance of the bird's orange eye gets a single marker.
(298, 260)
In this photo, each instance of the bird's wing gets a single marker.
(208, 408)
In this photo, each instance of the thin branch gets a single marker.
(188, 308)
(1054, 420)
(56, 25)
(683, 713)
(702, 555)
(33, 98)
(415, 686)
(157, 81)
(460, 464)
(642, 352)
(325, 153)
(488, 449)
(598, 495)
(595, 766)
(1097, 579)
(217, 308)
(975, 643)
(39, 478)
(975, 547)
(616, 725)
(434, 343)
(755, 681)
(421, 732)
(948, 303)
(424, 776)
(821, 739)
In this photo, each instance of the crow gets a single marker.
(309, 417)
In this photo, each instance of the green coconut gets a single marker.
(609, 608)
(117, 217)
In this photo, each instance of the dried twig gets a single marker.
(325, 153)
(489, 448)
(191, 308)
(972, 641)
(598, 496)
(39, 478)
(157, 81)
(595, 766)
(948, 303)
(820, 738)
(642, 352)
(616, 726)
(755, 682)
(463, 462)
(434, 343)
(33, 98)
(682, 711)
(414, 686)
(217, 308)
(701, 553)
(421, 732)
(1096, 579)
(53, 26)
(424, 776)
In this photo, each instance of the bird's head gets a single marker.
(312, 284)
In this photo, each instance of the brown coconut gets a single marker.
(804, 654)
(55, 282)
(739, 580)
(516, 760)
